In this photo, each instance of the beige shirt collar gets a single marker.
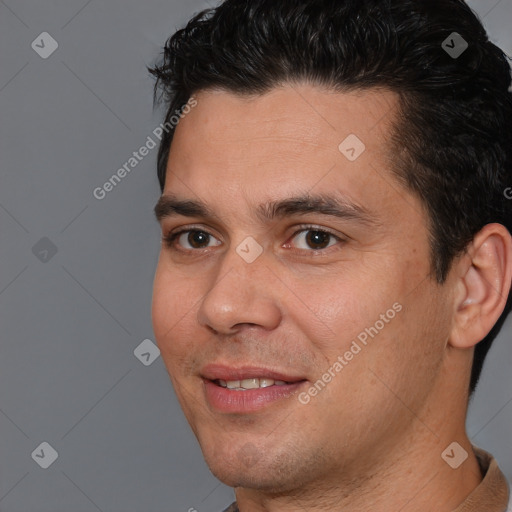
(492, 494)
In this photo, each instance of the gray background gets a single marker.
(70, 321)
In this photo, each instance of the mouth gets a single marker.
(254, 383)
(247, 389)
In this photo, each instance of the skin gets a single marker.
(374, 435)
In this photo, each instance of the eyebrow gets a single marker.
(324, 204)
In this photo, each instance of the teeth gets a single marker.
(250, 383)
(240, 385)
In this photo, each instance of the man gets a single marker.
(336, 256)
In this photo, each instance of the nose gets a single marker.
(242, 293)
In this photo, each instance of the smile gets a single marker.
(242, 385)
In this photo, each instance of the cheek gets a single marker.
(172, 312)
(331, 310)
(329, 320)
(403, 360)
(366, 319)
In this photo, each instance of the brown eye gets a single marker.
(318, 239)
(190, 239)
(315, 239)
(198, 239)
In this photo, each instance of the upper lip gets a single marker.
(230, 373)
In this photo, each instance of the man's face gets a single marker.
(249, 294)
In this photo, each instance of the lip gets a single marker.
(251, 400)
(219, 371)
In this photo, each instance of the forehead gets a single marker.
(306, 114)
(295, 138)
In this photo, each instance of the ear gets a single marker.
(484, 279)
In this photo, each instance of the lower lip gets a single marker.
(250, 400)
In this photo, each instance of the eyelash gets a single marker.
(171, 238)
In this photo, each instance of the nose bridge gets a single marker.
(242, 292)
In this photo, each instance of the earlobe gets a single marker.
(486, 284)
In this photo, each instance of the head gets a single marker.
(277, 87)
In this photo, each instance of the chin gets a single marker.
(254, 478)
(251, 468)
